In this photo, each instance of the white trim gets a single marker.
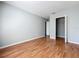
(73, 42)
(20, 42)
(52, 37)
(61, 36)
(66, 27)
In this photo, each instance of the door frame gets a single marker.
(66, 27)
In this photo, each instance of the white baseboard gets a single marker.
(20, 42)
(61, 36)
(73, 42)
(52, 38)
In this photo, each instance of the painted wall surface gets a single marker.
(52, 27)
(60, 27)
(48, 28)
(18, 25)
(0, 22)
(73, 23)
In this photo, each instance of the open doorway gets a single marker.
(60, 29)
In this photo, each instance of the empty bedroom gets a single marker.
(39, 29)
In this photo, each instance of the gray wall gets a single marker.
(48, 28)
(0, 22)
(52, 27)
(73, 23)
(18, 25)
(60, 27)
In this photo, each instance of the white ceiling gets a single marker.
(44, 8)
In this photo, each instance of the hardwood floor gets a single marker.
(41, 48)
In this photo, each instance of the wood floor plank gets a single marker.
(42, 48)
